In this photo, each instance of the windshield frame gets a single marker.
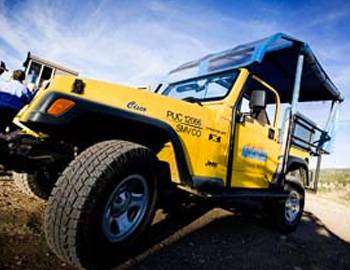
(221, 72)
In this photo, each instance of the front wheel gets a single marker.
(102, 203)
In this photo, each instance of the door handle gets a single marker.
(271, 134)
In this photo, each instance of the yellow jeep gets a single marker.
(214, 128)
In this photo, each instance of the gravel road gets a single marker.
(193, 237)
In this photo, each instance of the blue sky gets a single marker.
(137, 42)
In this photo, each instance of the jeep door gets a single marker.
(256, 138)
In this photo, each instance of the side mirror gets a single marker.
(257, 100)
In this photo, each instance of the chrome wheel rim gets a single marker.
(292, 206)
(126, 207)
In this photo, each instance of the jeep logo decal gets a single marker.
(211, 164)
(134, 106)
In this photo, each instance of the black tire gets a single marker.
(284, 222)
(74, 216)
(37, 185)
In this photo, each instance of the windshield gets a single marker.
(207, 88)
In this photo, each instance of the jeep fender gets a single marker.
(80, 119)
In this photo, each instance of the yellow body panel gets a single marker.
(255, 156)
(204, 131)
(297, 152)
(167, 154)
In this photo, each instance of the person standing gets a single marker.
(13, 96)
(16, 87)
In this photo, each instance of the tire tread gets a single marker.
(72, 192)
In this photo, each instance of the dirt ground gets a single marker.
(192, 237)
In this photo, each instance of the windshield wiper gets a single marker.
(193, 100)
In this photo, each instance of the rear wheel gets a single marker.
(38, 185)
(287, 213)
(103, 201)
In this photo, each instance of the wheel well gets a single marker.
(94, 128)
(296, 164)
(297, 186)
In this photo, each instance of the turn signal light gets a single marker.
(60, 106)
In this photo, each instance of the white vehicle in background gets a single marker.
(39, 70)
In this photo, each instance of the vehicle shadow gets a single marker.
(196, 235)
(187, 233)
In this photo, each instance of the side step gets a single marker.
(237, 194)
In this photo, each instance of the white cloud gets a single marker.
(328, 18)
(95, 44)
(134, 44)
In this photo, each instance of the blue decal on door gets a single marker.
(254, 153)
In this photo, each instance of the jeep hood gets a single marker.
(116, 96)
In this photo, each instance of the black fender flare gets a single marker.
(41, 120)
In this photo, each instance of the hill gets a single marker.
(335, 184)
